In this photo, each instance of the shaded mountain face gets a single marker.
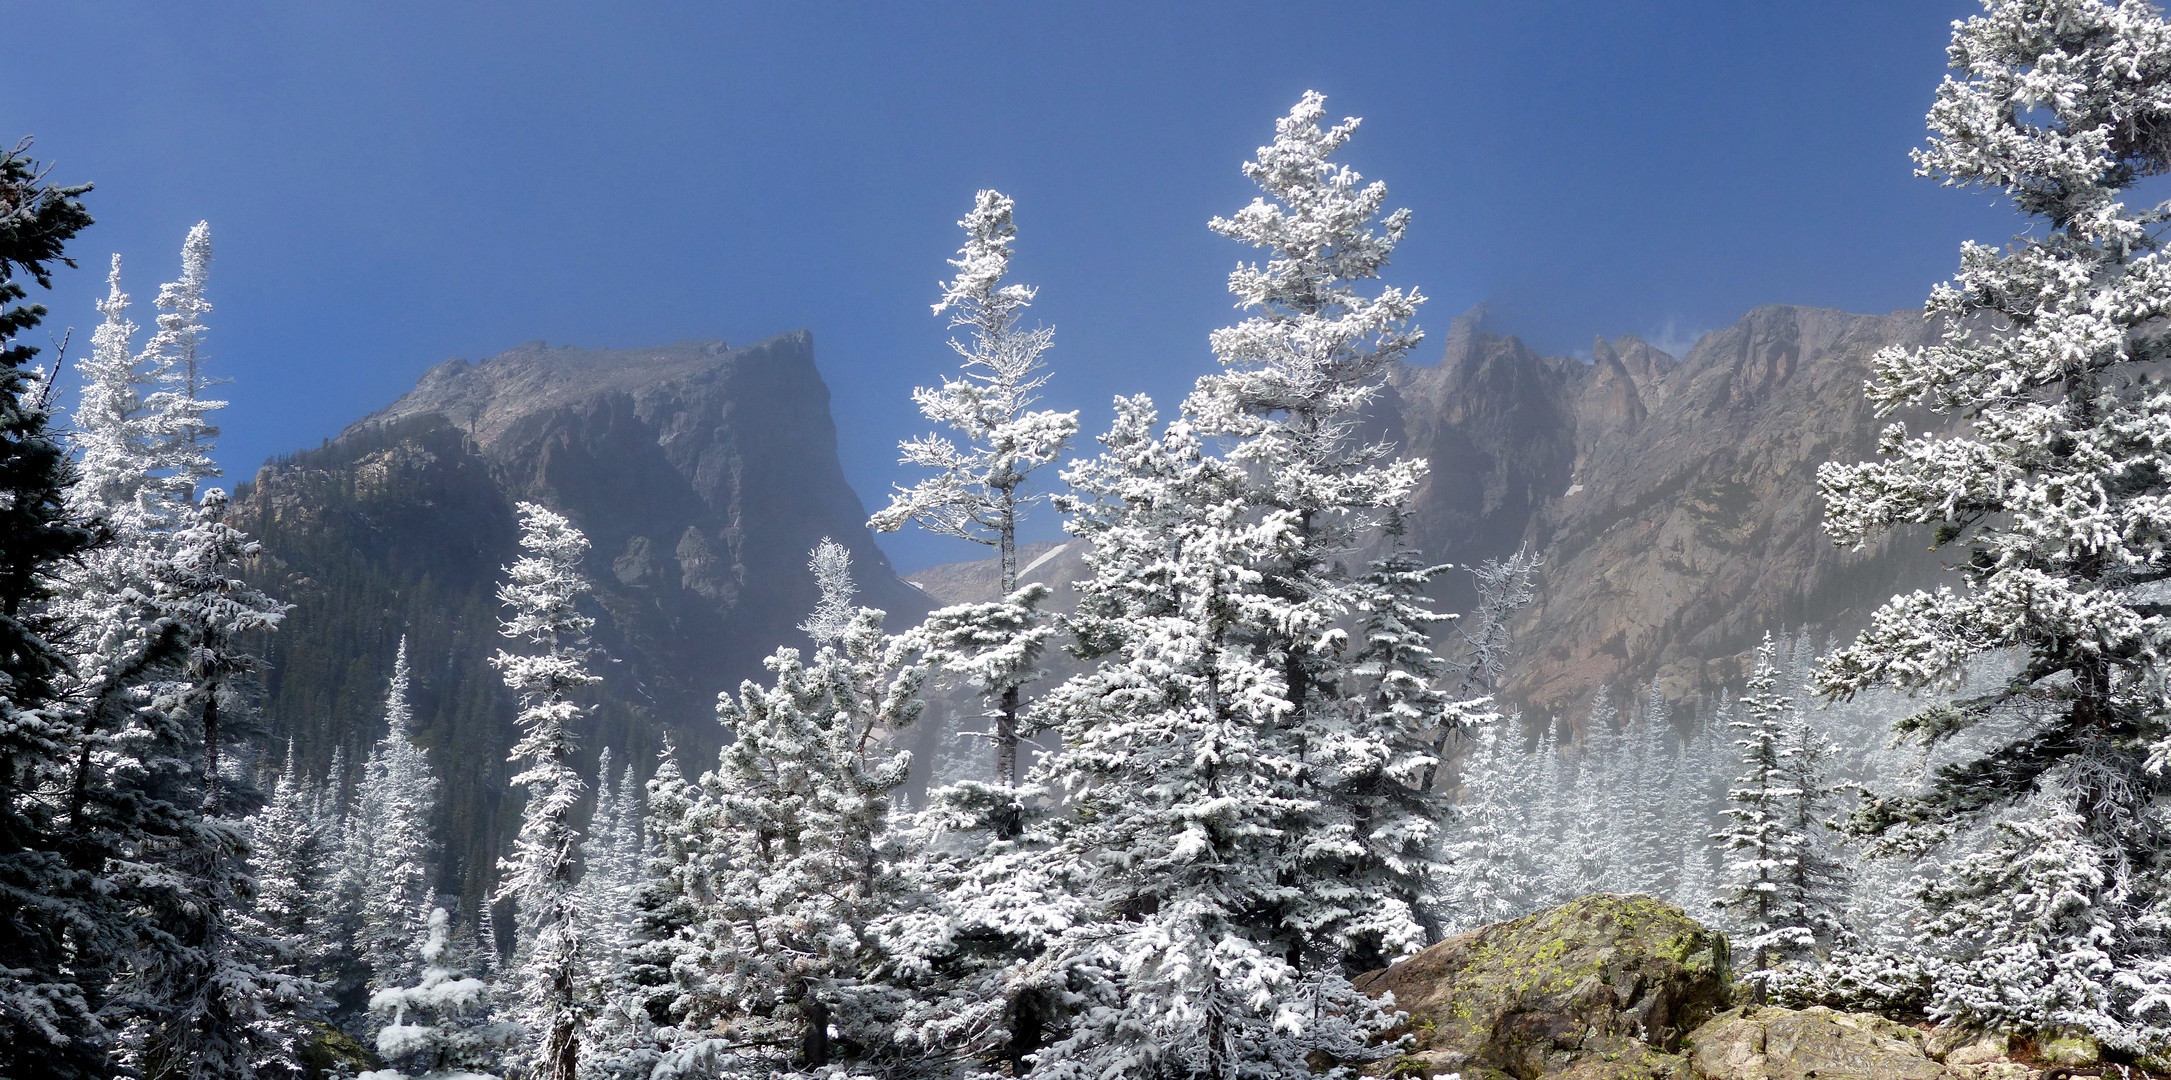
(701, 474)
(1673, 500)
(1686, 522)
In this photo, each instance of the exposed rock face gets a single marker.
(1604, 985)
(1674, 501)
(1810, 1044)
(702, 475)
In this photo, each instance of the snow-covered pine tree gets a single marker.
(2053, 486)
(176, 357)
(1813, 895)
(1173, 755)
(1296, 374)
(1761, 844)
(441, 1028)
(1656, 829)
(1608, 794)
(1393, 681)
(208, 1000)
(979, 490)
(664, 906)
(1488, 875)
(1580, 864)
(394, 807)
(287, 857)
(490, 950)
(543, 593)
(621, 1039)
(797, 813)
(1504, 587)
(59, 935)
(610, 869)
(831, 563)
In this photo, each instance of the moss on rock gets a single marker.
(1604, 986)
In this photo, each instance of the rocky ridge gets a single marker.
(1673, 500)
(702, 475)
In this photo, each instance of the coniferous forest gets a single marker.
(1254, 761)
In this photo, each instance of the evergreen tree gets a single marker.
(1297, 373)
(1489, 873)
(288, 860)
(395, 803)
(441, 1027)
(205, 984)
(1503, 588)
(1764, 846)
(664, 905)
(176, 357)
(831, 564)
(543, 592)
(1174, 755)
(978, 490)
(798, 809)
(57, 926)
(1386, 787)
(1656, 828)
(2052, 486)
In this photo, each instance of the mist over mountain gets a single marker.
(701, 473)
(1673, 500)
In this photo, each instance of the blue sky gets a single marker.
(390, 184)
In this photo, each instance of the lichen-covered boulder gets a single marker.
(1809, 1044)
(1603, 988)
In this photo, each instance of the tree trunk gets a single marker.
(814, 1042)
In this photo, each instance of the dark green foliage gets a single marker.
(53, 922)
(404, 529)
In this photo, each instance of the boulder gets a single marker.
(1957, 1044)
(2071, 1049)
(1603, 987)
(1810, 1044)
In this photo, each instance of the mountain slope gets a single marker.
(702, 474)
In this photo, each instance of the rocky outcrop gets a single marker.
(1606, 985)
(1628, 988)
(1675, 502)
(1810, 1044)
(702, 475)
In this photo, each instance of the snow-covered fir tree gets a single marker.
(1763, 847)
(1504, 587)
(804, 858)
(440, 1028)
(176, 355)
(978, 490)
(1491, 855)
(1295, 375)
(543, 593)
(664, 905)
(2052, 485)
(391, 833)
(1174, 756)
(289, 858)
(1654, 849)
(611, 869)
(60, 936)
(207, 993)
(831, 564)
(1395, 699)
